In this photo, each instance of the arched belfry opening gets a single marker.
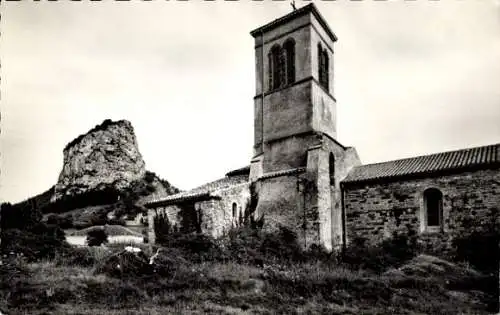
(275, 68)
(289, 48)
(281, 65)
(323, 67)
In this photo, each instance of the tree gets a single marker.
(162, 227)
(19, 216)
(96, 237)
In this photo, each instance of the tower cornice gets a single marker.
(307, 79)
(310, 8)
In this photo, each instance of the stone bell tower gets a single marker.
(298, 163)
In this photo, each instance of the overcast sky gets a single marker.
(411, 78)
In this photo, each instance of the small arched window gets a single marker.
(289, 48)
(331, 165)
(433, 209)
(235, 214)
(235, 210)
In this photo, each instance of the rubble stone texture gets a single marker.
(471, 202)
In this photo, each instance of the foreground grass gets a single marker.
(49, 288)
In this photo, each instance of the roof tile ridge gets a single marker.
(431, 154)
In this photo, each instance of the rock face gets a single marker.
(106, 156)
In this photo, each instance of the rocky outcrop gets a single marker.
(105, 157)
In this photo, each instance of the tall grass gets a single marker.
(233, 278)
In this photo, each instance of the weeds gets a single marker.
(252, 271)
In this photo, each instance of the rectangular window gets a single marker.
(433, 206)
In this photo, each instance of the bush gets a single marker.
(282, 247)
(480, 249)
(125, 264)
(96, 237)
(196, 247)
(251, 245)
(149, 177)
(167, 260)
(62, 221)
(162, 228)
(42, 241)
(76, 256)
(98, 219)
(20, 216)
(391, 252)
(244, 245)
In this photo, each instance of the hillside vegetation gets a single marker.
(250, 272)
(90, 208)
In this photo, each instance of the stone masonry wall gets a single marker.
(344, 161)
(172, 212)
(217, 214)
(214, 215)
(471, 201)
(279, 201)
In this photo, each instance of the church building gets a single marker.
(301, 177)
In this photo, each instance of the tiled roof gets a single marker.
(283, 173)
(427, 164)
(240, 171)
(201, 192)
(232, 178)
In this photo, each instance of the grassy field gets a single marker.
(425, 285)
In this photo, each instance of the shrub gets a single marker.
(76, 256)
(246, 245)
(162, 228)
(20, 216)
(282, 247)
(480, 249)
(125, 264)
(39, 242)
(196, 247)
(62, 221)
(251, 245)
(99, 219)
(391, 252)
(168, 260)
(96, 237)
(52, 219)
(149, 177)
